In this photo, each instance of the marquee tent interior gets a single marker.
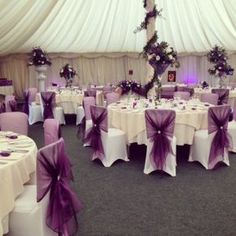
(98, 39)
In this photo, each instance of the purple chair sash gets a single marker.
(223, 95)
(26, 102)
(48, 99)
(99, 118)
(160, 128)
(218, 118)
(53, 177)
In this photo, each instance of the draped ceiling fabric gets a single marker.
(96, 37)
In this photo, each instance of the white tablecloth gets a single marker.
(132, 121)
(15, 171)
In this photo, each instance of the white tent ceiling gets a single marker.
(79, 26)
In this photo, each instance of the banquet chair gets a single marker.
(161, 142)
(168, 92)
(183, 95)
(232, 130)
(50, 208)
(49, 108)
(52, 131)
(31, 107)
(14, 121)
(223, 95)
(112, 98)
(90, 93)
(10, 103)
(87, 121)
(108, 145)
(211, 98)
(211, 146)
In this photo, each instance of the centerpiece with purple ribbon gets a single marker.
(68, 73)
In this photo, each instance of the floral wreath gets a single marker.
(39, 57)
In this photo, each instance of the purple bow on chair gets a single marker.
(99, 118)
(218, 118)
(53, 177)
(48, 99)
(26, 102)
(160, 128)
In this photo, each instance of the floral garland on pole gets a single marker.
(154, 13)
(159, 55)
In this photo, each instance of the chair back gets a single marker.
(53, 177)
(234, 111)
(10, 103)
(183, 95)
(218, 118)
(112, 97)
(90, 93)
(87, 102)
(52, 131)
(211, 98)
(160, 128)
(223, 95)
(99, 119)
(168, 92)
(14, 121)
(48, 101)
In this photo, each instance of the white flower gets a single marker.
(158, 58)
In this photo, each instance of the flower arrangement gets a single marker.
(218, 57)
(39, 57)
(67, 72)
(135, 87)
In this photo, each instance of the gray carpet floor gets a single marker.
(122, 200)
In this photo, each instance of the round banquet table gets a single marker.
(15, 171)
(232, 94)
(70, 99)
(190, 116)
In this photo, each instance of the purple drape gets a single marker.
(26, 102)
(99, 118)
(53, 177)
(218, 118)
(160, 128)
(48, 99)
(223, 95)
